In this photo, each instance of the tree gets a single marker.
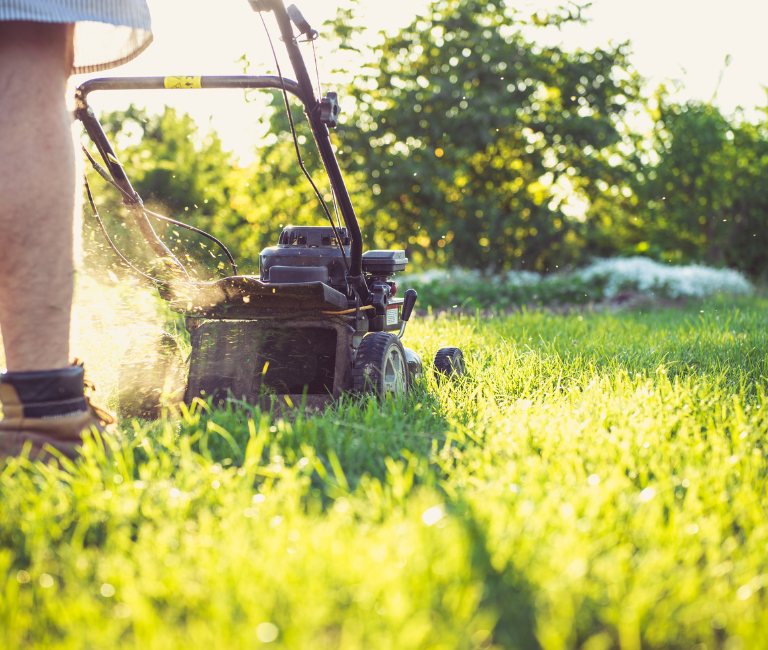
(466, 137)
(179, 173)
(465, 142)
(699, 194)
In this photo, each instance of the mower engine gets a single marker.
(312, 254)
(296, 331)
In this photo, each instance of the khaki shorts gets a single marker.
(107, 32)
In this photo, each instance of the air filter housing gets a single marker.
(384, 263)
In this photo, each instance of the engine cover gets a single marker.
(306, 254)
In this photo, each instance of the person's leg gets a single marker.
(41, 394)
(37, 195)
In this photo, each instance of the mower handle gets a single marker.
(312, 108)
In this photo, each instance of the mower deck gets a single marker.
(250, 360)
(246, 297)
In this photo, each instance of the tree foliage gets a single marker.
(469, 135)
(468, 144)
(704, 198)
(179, 173)
(186, 175)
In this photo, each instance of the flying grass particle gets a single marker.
(267, 632)
(742, 593)
(433, 515)
(647, 494)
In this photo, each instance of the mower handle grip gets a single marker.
(297, 19)
(409, 302)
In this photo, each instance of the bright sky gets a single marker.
(689, 40)
(686, 40)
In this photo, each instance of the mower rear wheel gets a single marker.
(449, 362)
(381, 368)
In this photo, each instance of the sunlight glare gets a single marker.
(681, 42)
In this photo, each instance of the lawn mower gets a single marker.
(322, 317)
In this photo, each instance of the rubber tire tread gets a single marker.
(370, 355)
(445, 362)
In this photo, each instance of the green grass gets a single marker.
(596, 481)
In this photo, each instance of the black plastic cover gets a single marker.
(298, 274)
(384, 262)
(312, 236)
(306, 254)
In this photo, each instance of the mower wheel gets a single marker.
(449, 362)
(415, 367)
(381, 367)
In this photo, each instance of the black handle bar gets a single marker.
(323, 141)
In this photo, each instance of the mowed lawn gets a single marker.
(596, 481)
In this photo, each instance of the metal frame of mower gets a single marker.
(321, 319)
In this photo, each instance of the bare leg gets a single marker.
(37, 195)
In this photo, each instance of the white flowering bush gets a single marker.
(466, 276)
(651, 278)
(602, 279)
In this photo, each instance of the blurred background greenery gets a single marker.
(468, 144)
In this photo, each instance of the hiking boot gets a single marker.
(47, 408)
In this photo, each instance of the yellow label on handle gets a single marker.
(182, 82)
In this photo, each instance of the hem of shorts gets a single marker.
(98, 67)
(145, 27)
